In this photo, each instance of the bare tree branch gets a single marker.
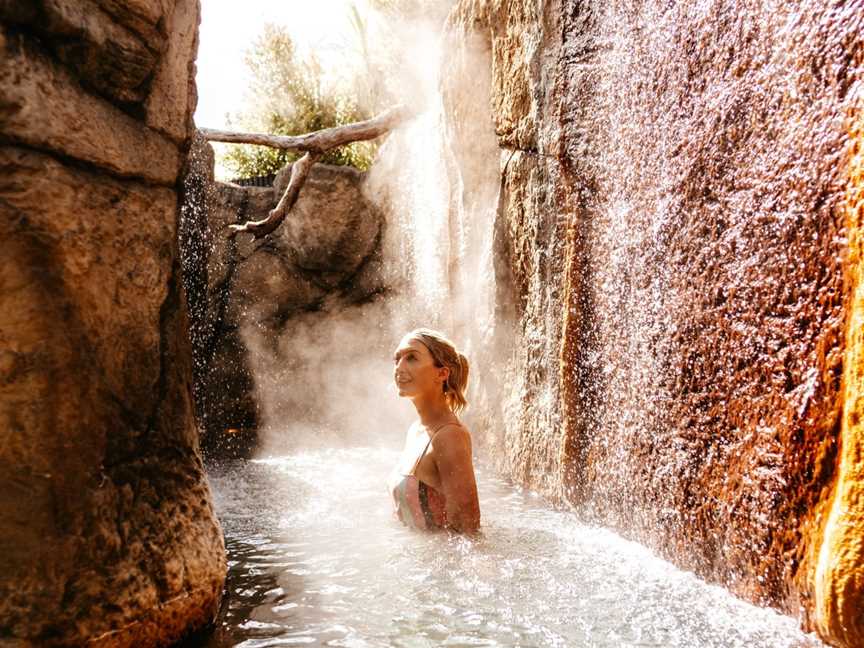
(319, 141)
(299, 171)
(315, 144)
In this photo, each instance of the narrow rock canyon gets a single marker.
(672, 200)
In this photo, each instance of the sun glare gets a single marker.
(229, 28)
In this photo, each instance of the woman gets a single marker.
(433, 484)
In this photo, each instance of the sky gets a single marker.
(229, 28)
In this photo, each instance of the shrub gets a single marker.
(288, 96)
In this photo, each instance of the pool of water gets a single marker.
(316, 558)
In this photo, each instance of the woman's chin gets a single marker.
(404, 390)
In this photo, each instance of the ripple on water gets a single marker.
(315, 558)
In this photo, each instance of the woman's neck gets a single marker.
(433, 411)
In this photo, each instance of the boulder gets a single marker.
(326, 255)
(332, 229)
(107, 531)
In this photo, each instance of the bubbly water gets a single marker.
(316, 558)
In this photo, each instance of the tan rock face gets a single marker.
(324, 256)
(107, 533)
(99, 50)
(45, 107)
(839, 577)
(678, 263)
(117, 275)
(144, 17)
(173, 97)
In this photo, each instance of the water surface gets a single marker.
(315, 558)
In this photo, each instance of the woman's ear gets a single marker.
(444, 373)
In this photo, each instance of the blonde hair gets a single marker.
(444, 354)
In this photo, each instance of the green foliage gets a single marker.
(289, 97)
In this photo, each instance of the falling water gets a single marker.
(422, 212)
(411, 184)
(710, 283)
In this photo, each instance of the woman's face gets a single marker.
(414, 369)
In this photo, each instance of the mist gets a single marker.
(327, 378)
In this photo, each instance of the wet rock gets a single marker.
(671, 218)
(107, 533)
(840, 563)
(326, 254)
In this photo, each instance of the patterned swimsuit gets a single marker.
(416, 504)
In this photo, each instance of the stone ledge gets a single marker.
(45, 108)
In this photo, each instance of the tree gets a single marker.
(289, 96)
(316, 145)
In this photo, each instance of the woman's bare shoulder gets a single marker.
(453, 433)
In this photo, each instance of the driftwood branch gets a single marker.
(299, 171)
(315, 144)
(319, 141)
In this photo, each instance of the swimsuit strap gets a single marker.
(428, 443)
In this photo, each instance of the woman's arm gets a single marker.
(452, 454)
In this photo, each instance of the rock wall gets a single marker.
(323, 259)
(679, 221)
(107, 534)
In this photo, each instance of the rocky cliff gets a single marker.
(247, 296)
(678, 207)
(107, 535)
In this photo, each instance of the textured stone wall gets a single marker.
(107, 535)
(325, 257)
(679, 267)
(840, 563)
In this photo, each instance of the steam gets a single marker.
(326, 379)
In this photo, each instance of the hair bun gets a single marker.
(463, 365)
